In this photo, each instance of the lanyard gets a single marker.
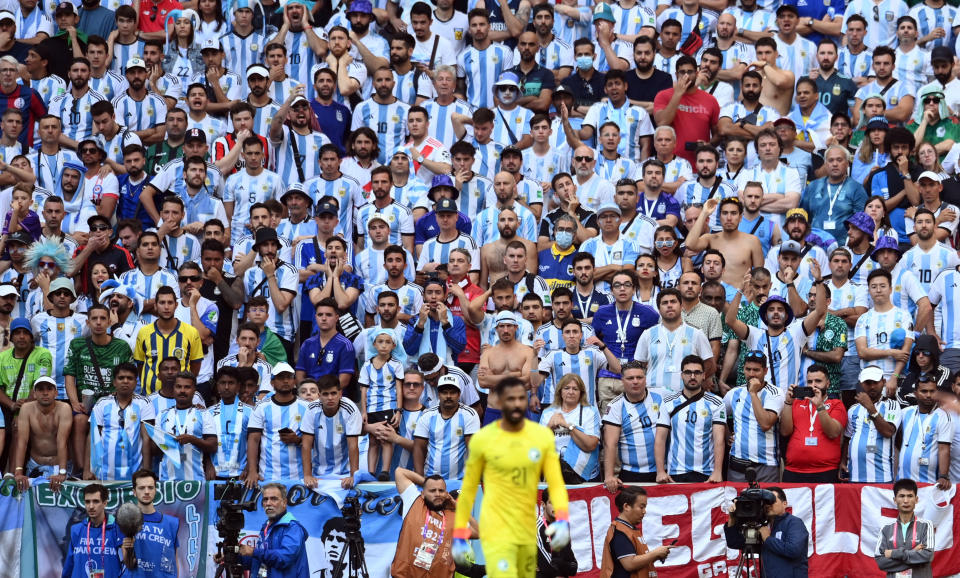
(672, 342)
(648, 209)
(833, 196)
(896, 533)
(266, 530)
(103, 545)
(924, 424)
(584, 307)
(813, 415)
(181, 429)
(622, 326)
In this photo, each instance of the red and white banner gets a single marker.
(844, 521)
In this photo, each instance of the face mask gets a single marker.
(564, 239)
(663, 244)
(584, 62)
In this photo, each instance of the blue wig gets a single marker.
(52, 248)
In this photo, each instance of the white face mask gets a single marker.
(507, 97)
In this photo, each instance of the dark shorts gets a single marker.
(628, 477)
(380, 416)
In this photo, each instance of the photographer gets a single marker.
(784, 538)
(814, 426)
(625, 552)
(281, 546)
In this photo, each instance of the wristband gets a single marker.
(943, 477)
(461, 533)
(561, 515)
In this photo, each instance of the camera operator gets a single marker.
(784, 539)
(625, 552)
(281, 546)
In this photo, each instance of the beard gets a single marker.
(751, 95)
(360, 29)
(434, 507)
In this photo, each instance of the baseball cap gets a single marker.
(878, 122)
(603, 12)
(211, 44)
(784, 120)
(609, 207)
(787, 8)
(929, 175)
(136, 62)
(20, 323)
(939, 53)
(64, 7)
(7, 15)
(326, 207)
(62, 283)
(194, 134)
(798, 213)
(871, 373)
(298, 100)
(448, 381)
(44, 381)
(505, 317)
(562, 89)
(446, 206)
(511, 151)
(258, 70)
(508, 79)
(8, 290)
(281, 368)
(791, 246)
(20, 236)
(377, 217)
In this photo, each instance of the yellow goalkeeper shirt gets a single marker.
(510, 464)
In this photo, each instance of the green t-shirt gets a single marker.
(161, 154)
(834, 335)
(39, 364)
(81, 367)
(947, 129)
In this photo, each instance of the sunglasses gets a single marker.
(89, 150)
(583, 159)
(933, 100)
(692, 372)
(924, 352)
(47, 265)
(194, 278)
(755, 354)
(101, 228)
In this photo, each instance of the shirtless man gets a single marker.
(742, 250)
(47, 436)
(509, 358)
(493, 253)
(778, 83)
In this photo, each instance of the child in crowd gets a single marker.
(380, 379)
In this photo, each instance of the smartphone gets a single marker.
(802, 392)
(691, 146)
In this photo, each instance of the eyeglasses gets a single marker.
(101, 228)
(876, 13)
(931, 100)
(194, 278)
(692, 372)
(47, 265)
(507, 89)
(583, 159)
(622, 285)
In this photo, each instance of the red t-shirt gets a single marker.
(153, 15)
(696, 114)
(470, 353)
(824, 455)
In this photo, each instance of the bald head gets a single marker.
(505, 187)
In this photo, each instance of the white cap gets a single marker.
(7, 290)
(929, 175)
(377, 217)
(258, 70)
(450, 380)
(7, 15)
(298, 100)
(136, 62)
(871, 373)
(281, 368)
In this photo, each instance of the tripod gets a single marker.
(749, 558)
(352, 558)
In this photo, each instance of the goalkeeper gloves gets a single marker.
(461, 549)
(559, 533)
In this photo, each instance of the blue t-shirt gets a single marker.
(347, 280)
(334, 120)
(334, 358)
(620, 331)
(128, 206)
(427, 227)
(659, 209)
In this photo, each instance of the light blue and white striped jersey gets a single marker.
(781, 180)
(111, 85)
(301, 58)
(480, 69)
(855, 65)
(290, 230)
(542, 169)
(782, 351)
(279, 461)
(286, 323)
(691, 431)
(147, 285)
(622, 252)
(403, 458)
(666, 64)
(120, 447)
(170, 178)
(279, 89)
(913, 66)
(799, 57)
(906, 290)
(436, 251)
(414, 193)
(114, 147)
(557, 363)
(140, 115)
(122, 53)
(737, 53)
(750, 442)
(399, 217)
(29, 25)
(74, 113)
(926, 265)
(571, 29)
(945, 294)
(404, 87)
(330, 433)
(177, 422)
(759, 20)
(262, 117)
(488, 331)
(169, 86)
(622, 49)
(617, 168)
(779, 288)
(595, 192)
(308, 153)
(850, 294)
(55, 334)
(244, 244)
(175, 251)
(882, 18)
(586, 419)
(348, 192)
(868, 265)
(22, 282)
(509, 126)
(410, 296)
(262, 367)
(870, 454)
(245, 190)
(381, 383)
(49, 87)
(634, 122)
(555, 55)
(446, 440)
(389, 121)
(737, 111)
(239, 52)
(211, 126)
(441, 127)
(921, 436)
(485, 228)
(476, 195)
(631, 20)
(637, 423)
(230, 422)
(663, 350)
(878, 328)
(552, 337)
(693, 192)
(487, 160)
(707, 20)
(369, 265)
(892, 97)
(161, 403)
(929, 18)
(530, 191)
(231, 85)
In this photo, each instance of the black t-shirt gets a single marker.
(836, 92)
(587, 218)
(585, 92)
(646, 90)
(535, 81)
(620, 546)
(18, 51)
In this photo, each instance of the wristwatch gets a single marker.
(63, 472)
(419, 158)
(875, 415)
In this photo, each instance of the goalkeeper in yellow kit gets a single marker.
(510, 455)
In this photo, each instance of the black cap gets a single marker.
(326, 207)
(939, 53)
(787, 8)
(263, 235)
(195, 134)
(511, 150)
(446, 206)
(20, 236)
